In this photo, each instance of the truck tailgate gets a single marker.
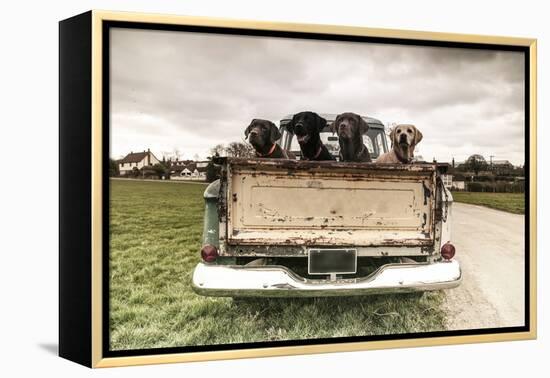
(280, 202)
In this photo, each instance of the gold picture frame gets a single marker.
(93, 23)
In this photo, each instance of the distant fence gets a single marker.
(188, 178)
(159, 180)
(496, 187)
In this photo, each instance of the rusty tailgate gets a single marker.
(280, 202)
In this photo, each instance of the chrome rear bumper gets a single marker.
(279, 281)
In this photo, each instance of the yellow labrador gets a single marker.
(403, 140)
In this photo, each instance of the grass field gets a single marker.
(155, 238)
(510, 202)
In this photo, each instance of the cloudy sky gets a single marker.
(191, 91)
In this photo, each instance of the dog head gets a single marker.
(404, 138)
(306, 126)
(262, 134)
(350, 128)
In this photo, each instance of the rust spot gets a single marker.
(424, 220)
(427, 193)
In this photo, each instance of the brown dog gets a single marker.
(404, 139)
(262, 135)
(350, 128)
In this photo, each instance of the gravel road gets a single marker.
(490, 248)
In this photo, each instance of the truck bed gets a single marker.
(281, 202)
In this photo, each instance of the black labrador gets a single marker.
(262, 135)
(307, 127)
(350, 128)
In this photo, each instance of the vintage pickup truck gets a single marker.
(297, 228)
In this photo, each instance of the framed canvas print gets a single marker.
(234, 189)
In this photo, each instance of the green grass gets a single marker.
(155, 238)
(510, 202)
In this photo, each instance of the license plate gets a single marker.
(332, 261)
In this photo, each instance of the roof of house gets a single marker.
(181, 162)
(177, 168)
(189, 165)
(134, 157)
(501, 162)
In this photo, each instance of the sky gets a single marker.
(186, 92)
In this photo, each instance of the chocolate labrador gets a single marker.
(350, 128)
(404, 139)
(307, 127)
(262, 135)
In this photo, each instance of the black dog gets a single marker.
(350, 128)
(262, 135)
(307, 127)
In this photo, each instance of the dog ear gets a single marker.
(363, 126)
(417, 136)
(321, 123)
(334, 126)
(274, 133)
(392, 135)
(247, 131)
(290, 126)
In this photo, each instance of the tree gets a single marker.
(159, 170)
(239, 150)
(166, 163)
(176, 153)
(218, 150)
(113, 168)
(212, 172)
(170, 156)
(476, 163)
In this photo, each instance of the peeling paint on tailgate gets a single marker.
(278, 202)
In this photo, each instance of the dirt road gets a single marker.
(490, 248)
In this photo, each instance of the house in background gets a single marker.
(502, 164)
(188, 170)
(458, 185)
(452, 184)
(136, 160)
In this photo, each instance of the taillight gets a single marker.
(209, 253)
(448, 251)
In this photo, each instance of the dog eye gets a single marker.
(409, 131)
(398, 131)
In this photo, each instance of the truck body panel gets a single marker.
(302, 203)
